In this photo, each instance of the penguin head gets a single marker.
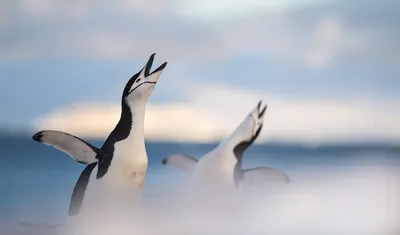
(250, 128)
(139, 87)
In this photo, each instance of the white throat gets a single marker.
(136, 135)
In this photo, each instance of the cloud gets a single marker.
(326, 42)
(208, 9)
(328, 50)
(312, 35)
(42, 7)
(214, 110)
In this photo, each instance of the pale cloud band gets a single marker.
(213, 111)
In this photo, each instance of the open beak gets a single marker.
(148, 67)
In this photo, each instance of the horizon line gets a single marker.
(27, 133)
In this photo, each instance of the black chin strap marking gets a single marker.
(140, 85)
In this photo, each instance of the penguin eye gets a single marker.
(138, 80)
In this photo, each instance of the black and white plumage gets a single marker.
(224, 163)
(120, 164)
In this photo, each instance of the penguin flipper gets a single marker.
(78, 149)
(181, 161)
(260, 175)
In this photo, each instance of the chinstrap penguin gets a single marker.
(119, 166)
(222, 166)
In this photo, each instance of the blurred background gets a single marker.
(329, 71)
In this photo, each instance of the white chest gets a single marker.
(124, 179)
(129, 165)
(129, 161)
(214, 168)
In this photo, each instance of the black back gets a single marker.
(239, 151)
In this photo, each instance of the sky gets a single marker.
(329, 70)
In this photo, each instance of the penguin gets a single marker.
(120, 165)
(222, 166)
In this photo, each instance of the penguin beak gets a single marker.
(153, 76)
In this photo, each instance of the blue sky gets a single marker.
(335, 57)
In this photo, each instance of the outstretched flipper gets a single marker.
(260, 175)
(78, 149)
(184, 162)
